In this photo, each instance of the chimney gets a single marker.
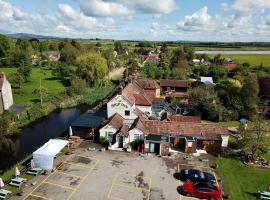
(120, 90)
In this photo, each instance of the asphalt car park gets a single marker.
(111, 175)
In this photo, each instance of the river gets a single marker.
(234, 52)
(16, 147)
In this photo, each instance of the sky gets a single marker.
(156, 20)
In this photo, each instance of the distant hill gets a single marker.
(29, 36)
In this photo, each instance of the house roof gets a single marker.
(116, 121)
(136, 95)
(147, 84)
(183, 118)
(206, 131)
(173, 83)
(153, 57)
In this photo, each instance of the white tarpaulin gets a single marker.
(43, 157)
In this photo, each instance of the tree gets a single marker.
(21, 56)
(53, 46)
(204, 98)
(181, 70)
(98, 44)
(118, 47)
(218, 72)
(23, 43)
(164, 62)
(24, 71)
(76, 44)
(189, 52)
(4, 124)
(249, 95)
(78, 87)
(62, 70)
(151, 70)
(16, 79)
(255, 136)
(40, 92)
(93, 68)
(68, 54)
(44, 46)
(6, 47)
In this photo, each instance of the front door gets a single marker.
(152, 148)
(120, 141)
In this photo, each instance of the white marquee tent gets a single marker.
(43, 157)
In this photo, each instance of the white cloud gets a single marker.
(156, 7)
(266, 20)
(199, 18)
(103, 8)
(110, 8)
(247, 5)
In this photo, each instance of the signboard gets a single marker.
(119, 104)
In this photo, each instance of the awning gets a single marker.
(44, 156)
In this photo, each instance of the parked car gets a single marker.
(195, 175)
(202, 190)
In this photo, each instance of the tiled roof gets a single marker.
(173, 83)
(182, 118)
(116, 121)
(135, 95)
(147, 84)
(206, 131)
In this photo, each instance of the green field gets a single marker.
(25, 93)
(242, 182)
(253, 59)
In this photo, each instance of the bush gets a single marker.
(104, 141)
(134, 144)
(78, 87)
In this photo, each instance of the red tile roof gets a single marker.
(173, 83)
(182, 118)
(116, 121)
(206, 131)
(147, 84)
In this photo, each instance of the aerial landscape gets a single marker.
(134, 100)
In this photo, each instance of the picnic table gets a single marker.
(264, 195)
(34, 171)
(4, 193)
(17, 182)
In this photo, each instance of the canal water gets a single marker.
(36, 134)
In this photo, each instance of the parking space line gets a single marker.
(113, 182)
(150, 185)
(55, 184)
(68, 174)
(34, 195)
(44, 180)
(83, 179)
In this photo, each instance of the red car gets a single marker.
(202, 190)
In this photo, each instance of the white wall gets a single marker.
(119, 105)
(225, 140)
(145, 109)
(107, 128)
(7, 95)
(133, 132)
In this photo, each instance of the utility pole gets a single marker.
(40, 92)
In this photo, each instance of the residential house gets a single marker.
(152, 57)
(176, 88)
(230, 64)
(6, 98)
(52, 55)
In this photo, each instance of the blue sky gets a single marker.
(197, 20)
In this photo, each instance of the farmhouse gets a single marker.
(230, 64)
(6, 99)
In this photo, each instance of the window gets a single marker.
(109, 136)
(127, 113)
(137, 136)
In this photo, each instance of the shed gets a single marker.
(44, 156)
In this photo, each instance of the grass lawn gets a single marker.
(229, 124)
(240, 181)
(253, 59)
(25, 94)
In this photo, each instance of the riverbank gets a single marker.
(35, 112)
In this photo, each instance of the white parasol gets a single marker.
(1, 183)
(70, 131)
(32, 164)
(17, 172)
